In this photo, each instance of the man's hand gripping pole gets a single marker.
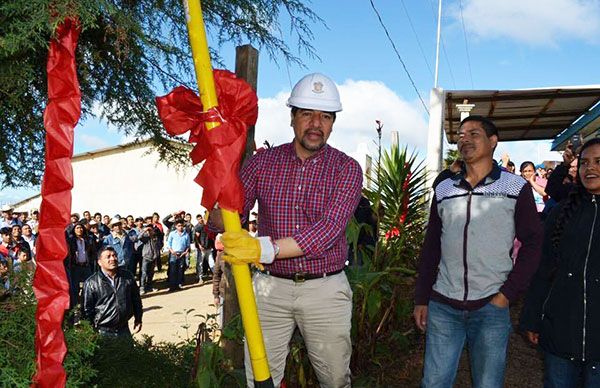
(231, 220)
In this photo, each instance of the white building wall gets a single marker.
(130, 181)
(133, 182)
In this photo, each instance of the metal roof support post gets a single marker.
(435, 144)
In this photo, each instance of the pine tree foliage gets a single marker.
(128, 50)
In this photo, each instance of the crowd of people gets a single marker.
(139, 244)
(484, 247)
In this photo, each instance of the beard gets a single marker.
(306, 144)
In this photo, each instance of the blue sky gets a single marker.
(511, 44)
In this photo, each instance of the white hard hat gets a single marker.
(315, 91)
(114, 221)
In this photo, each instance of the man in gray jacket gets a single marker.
(467, 278)
(150, 254)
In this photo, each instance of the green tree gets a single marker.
(127, 50)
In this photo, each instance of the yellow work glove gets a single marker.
(234, 260)
(241, 248)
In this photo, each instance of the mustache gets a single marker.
(314, 130)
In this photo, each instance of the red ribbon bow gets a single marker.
(221, 147)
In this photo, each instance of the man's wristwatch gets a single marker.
(276, 249)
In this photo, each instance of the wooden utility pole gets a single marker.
(246, 68)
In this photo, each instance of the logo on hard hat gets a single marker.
(317, 87)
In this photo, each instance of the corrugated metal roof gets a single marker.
(529, 114)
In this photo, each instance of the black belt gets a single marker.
(300, 277)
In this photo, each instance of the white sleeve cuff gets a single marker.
(267, 251)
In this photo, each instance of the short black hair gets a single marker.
(97, 214)
(488, 126)
(179, 221)
(139, 219)
(6, 230)
(107, 248)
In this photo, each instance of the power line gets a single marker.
(466, 43)
(398, 55)
(448, 63)
(417, 38)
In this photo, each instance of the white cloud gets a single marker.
(92, 142)
(354, 130)
(532, 21)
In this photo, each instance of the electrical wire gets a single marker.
(398, 55)
(462, 19)
(416, 37)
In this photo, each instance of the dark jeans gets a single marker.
(131, 264)
(563, 373)
(77, 275)
(159, 263)
(147, 274)
(123, 333)
(202, 265)
(176, 270)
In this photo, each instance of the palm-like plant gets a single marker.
(399, 199)
(399, 196)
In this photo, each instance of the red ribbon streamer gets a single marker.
(50, 281)
(222, 147)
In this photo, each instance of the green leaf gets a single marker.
(373, 304)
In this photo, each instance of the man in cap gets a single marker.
(74, 220)
(7, 217)
(307, 192)
(95, 240)
(121, 243)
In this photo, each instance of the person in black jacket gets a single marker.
(562, 309)
(111, 297)
(80, 261)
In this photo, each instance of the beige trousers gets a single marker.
(322, 310)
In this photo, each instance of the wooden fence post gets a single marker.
(246, 67)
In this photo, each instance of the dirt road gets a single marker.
(165, 316)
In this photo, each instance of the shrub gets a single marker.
(17, 352)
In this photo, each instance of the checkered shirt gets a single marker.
(310, 201)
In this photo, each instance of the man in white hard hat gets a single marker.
(307, 192)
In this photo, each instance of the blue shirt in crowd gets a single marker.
(178, 242)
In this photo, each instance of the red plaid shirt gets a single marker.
(310, 201)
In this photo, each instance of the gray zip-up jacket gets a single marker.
(466, 256)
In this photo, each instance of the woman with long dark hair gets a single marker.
(562, 309)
